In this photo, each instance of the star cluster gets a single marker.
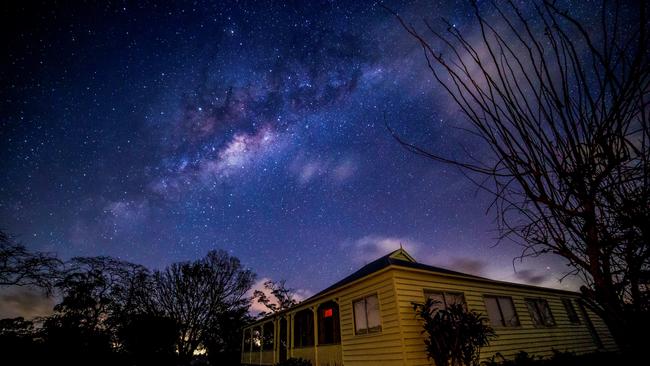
(156, 132)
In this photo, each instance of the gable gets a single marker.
(401, 254)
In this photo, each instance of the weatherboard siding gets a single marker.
(410, 286)
(383, 348)
(398, 284)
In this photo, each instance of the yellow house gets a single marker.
(368, 318)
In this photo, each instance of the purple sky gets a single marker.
(155, 133)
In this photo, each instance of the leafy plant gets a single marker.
(454, 335)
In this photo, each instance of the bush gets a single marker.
(454, 335)
(560, 358)
(294, 362)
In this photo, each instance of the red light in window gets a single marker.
(328, 313)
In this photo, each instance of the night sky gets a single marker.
(155, 133)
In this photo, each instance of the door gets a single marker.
(283, 340)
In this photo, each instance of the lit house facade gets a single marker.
(368, 318)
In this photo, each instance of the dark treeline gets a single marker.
(112, 312)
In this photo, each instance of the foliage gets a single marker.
(283, 297)
(197, 294)
(559, 358)
(98, 291)
(113, 312)
(560, 108)
(294, 362)
(223, 340)
(454, 335)
(20, 267)
(149, 339)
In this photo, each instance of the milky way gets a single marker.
(155, 133)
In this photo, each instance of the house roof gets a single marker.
(400, 258)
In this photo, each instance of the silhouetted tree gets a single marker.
(282, 297)
(148, 340)
(95, 301)
(20, 267)
(561, 107)
(223, 338)
(100, 290)
(197, 295)
(18, 341)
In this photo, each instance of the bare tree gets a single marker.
(20, 267)
(282, 297)
(197, 295)
(561, 108)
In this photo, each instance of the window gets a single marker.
(328, 323)
(501, 311)
(303, 328)
(366, 315)
(257, 339)
(442, 300)
(267, 333)
(571, 311)
(540, 312)
(247, 340)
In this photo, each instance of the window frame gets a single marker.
(536, 301)
(367, 330)
(574, 318)
(444, 297)
(503, 324)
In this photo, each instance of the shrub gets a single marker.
(454, 335)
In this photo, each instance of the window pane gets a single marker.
(360, 321)
(452, 299)
(257, 339)
(534, 313)
(304, 329)
(545, 310)
(493, 311)
(267, 343)
(247, 339)
(571, 311)
(372, 309)
(509, 314)
(438, 300)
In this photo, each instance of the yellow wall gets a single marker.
(383, 348)
(330, 355)
(564, 336)
(401, 342)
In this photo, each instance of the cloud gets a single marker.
(256, 307)
(532, 277)
(25, 302)
(309, 170)
(371, 247)
(468, 265)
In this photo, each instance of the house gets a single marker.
(368, 318)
